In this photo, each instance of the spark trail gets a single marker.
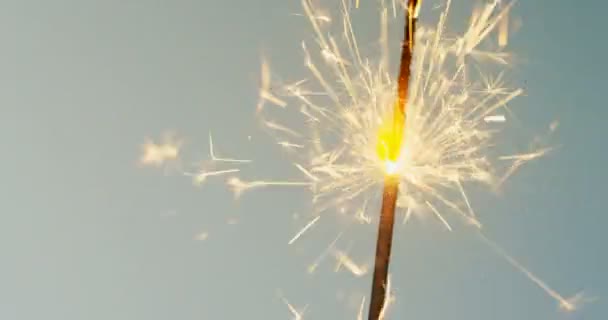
(566, 304)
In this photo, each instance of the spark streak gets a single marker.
(496, 118)
(295, 313)
(325, 252)
(349, 264)
(201, 176)
(564, 303)
(214, 157)
(361, 307)
(239, 186)
(303, 230)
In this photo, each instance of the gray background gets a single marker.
(86, 234)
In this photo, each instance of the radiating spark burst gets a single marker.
(456, 108)
(346, 107)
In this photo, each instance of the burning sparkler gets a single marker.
(392, 148)
(425, 147)
(352, 135)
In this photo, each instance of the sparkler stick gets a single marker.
(391, 182)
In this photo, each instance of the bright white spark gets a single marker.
(344, 260)
(289, 145)
(200, 177)
(518, 160)
(313, 267)
(295, 313)
(361, 308)
(564, 303)
(265, 92)
(239, 186)
(496, 118)
(303, 230)
(214, 157)
(439, 216)
(362, 217)
(209, 168)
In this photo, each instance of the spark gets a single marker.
(265, 93)
(407, 216)
(157, 154)
(439, 216)
(564, 303)
(239, 186)
(201, 176)
(214, 157)
(390, 298)
(296, 314)
(495, 118)
(362, 217)
(519, 160)
(313, 267)
(361, 307)
(576, 301)
(344, 260)
(202, 236)
(280, 128)
(289, 145)
(306, 172)
(503, 32)
(303, 230)
(206, 170)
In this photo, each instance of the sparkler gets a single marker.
(391, 182)
(351, 134)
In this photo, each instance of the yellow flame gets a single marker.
(390, 139)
